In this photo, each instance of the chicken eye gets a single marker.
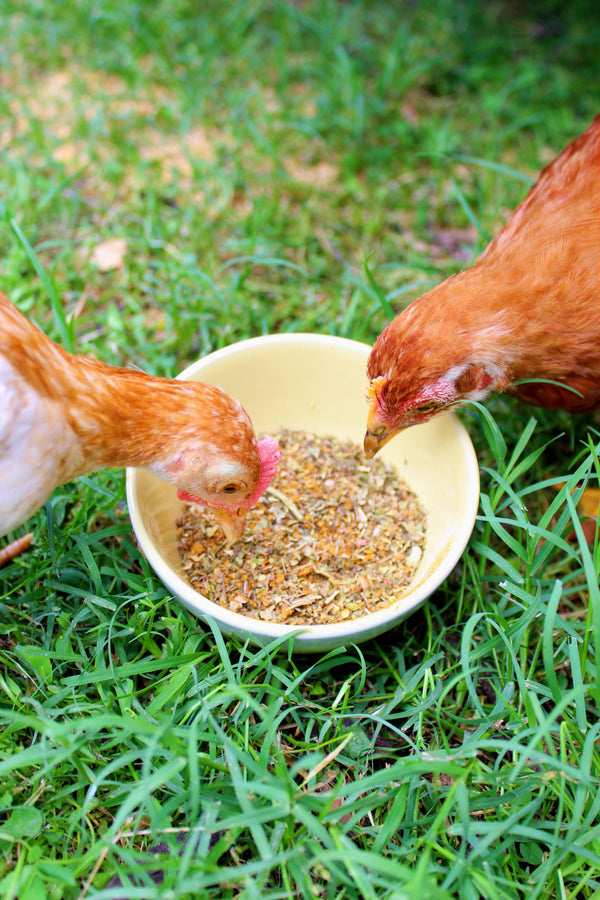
(230, 488)
(426, 407)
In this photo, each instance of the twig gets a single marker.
(11, 551)
(326, 760)
(93, 873)
(96, 867)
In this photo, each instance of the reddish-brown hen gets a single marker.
(528, 309)
(63, 415)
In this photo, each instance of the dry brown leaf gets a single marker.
(457, 242)
(589, 503)
(410, 112)
(200, 144)
(109, 254)
(175, 154)
(71, 152)
(318, 175)
(589, 507)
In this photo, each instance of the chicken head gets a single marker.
(523, 319)
(231, 487)
(407, 395)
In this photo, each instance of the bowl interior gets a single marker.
(318, 383)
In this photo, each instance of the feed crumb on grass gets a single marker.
(334, 539)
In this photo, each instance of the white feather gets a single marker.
(28, 428)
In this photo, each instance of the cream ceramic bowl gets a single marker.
(318, 383)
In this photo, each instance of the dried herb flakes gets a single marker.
(337, 537)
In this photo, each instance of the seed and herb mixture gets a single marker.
(336, 537)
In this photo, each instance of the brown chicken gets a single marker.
(63, 415)
(525, 314)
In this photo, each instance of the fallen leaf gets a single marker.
(589, 502)
(318, 175)
(457, 242)
(410, 112)
(71, 152)
(588, 506)
(588, 527)
(200, 144)
(109, 254)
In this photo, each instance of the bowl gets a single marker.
(318, 383)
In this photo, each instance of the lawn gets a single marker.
(176, 176)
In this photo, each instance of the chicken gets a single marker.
(524, 315)
(63, 415)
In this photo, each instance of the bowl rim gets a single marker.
(289, 337)
(259, 628)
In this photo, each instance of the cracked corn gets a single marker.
(335, 538)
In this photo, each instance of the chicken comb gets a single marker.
(375, 386)
(270, 457)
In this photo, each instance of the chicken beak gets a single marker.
(374, 441)
(378, 432)
(232, 522)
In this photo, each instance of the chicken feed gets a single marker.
(335, 538)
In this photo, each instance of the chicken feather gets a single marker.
(63, 415)
(525, 314)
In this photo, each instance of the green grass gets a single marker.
(256, 156)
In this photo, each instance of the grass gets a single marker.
(279, 166)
